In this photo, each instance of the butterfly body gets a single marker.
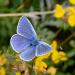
(26, 43)
(34, 43)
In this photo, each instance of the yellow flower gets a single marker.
(57, 56)
(40, 65)
(72, 1)
(2, 71)
(52, 70)
(54, 45)
(71, 20)
(18, 73)
(63, 56)
(2, 59)
(71, 16)
(59, 11)
(70, 10)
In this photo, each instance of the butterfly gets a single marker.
(26, 43)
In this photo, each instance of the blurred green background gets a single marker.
(47, 28)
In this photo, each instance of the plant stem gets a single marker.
(29, 14)
(67, 39)
(57, 33)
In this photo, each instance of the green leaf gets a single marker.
(48, 62)
(72, 43)
(71, 53)
(11, 73)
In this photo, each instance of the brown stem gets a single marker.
(67, 39)
(57, 33)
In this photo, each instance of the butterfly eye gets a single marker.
(31, 44)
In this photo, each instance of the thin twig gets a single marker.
(29, 14)
(57, 33)
(67, 39)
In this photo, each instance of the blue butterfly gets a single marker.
(26, 42)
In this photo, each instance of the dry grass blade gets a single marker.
(26, 72)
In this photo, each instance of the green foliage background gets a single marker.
(47, 27)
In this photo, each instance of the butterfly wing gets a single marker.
(42, 48)
(28, 54)
(25, 28)
(19, 42)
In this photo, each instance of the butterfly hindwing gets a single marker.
(42, 48)
(19, 42)
(25, 28)
(28, 54)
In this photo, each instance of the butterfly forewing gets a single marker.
(25, 28)
(19, 42)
